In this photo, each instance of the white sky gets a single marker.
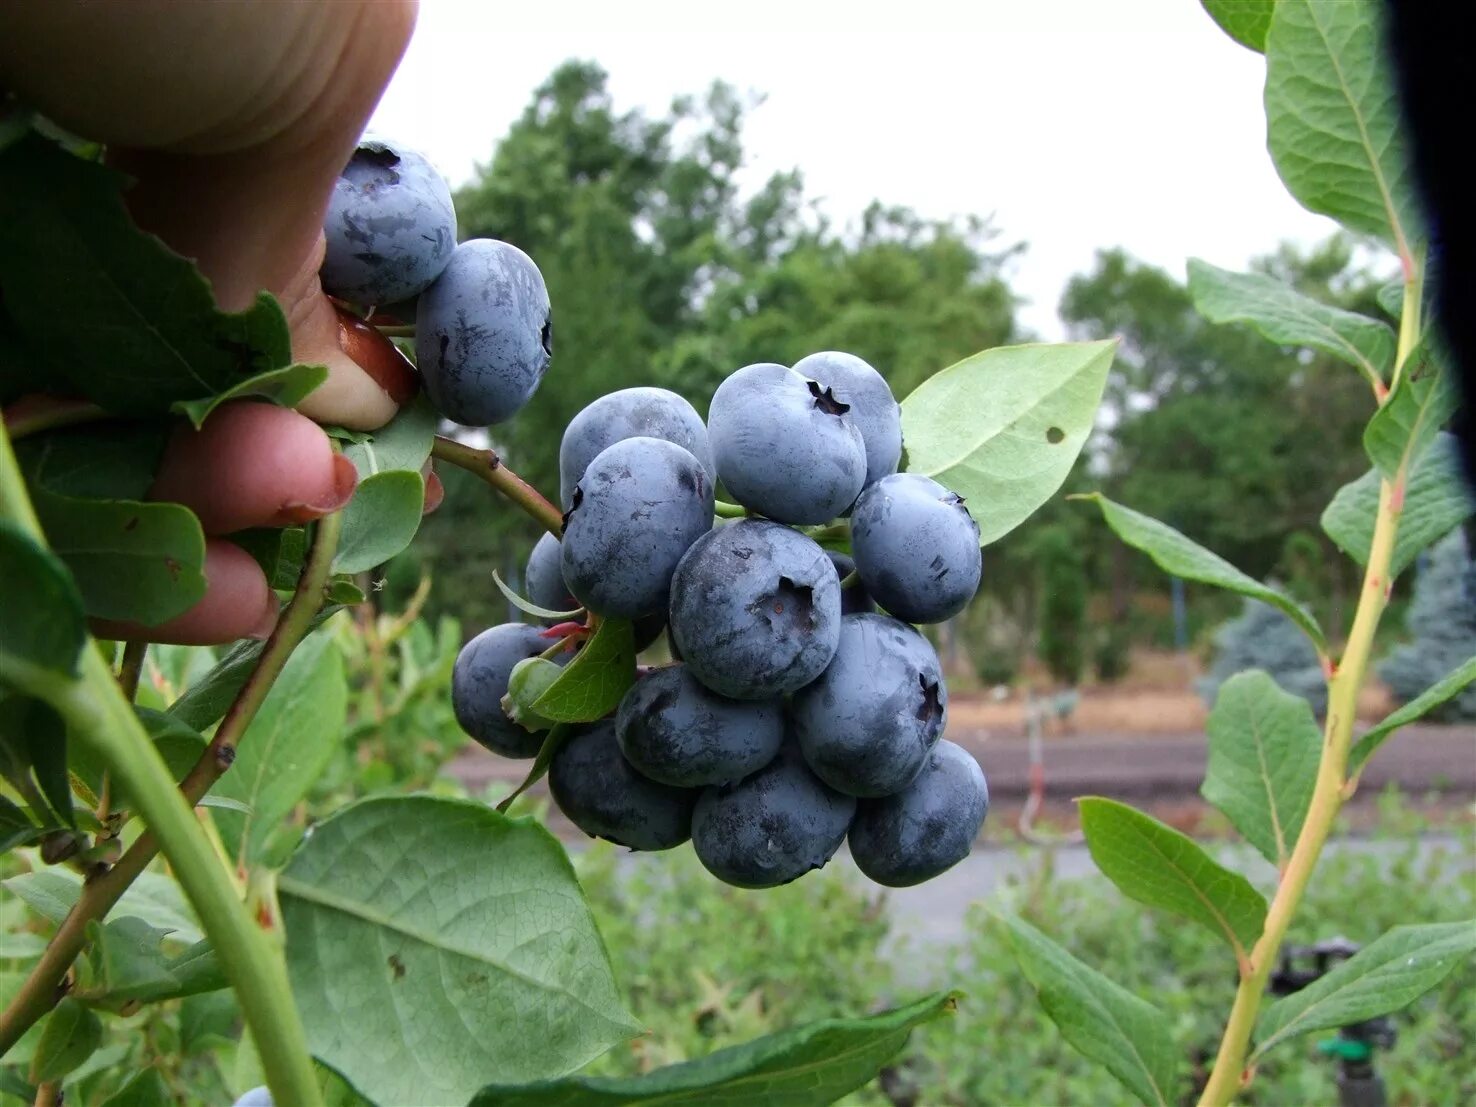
(1078, 123)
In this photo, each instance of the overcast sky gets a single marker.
(1078, 124)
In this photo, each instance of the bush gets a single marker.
(1263, 638)
(1442, 628)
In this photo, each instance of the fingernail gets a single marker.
(345, 480)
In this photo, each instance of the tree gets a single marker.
(1442, 628)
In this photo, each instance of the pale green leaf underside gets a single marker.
(1158, 866)
(1386, 975)
(1447, 687)
(1333, 124)
(805, 1066)
(1436, 500)
(1174, 553)
(434, 945)
(1003, 428)
(380, 520)
(1288, 318)
(1264, 745)
(1131, 1039)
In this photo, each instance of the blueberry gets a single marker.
(674, 730)
(784, 446)
(603, 796)
(638, 508)
(543, 578)
(868, 723)
(390, 227)
(255, 1097)
(630, 413)
(926, 828)
(483, 334)
(479, 681)
(854, 600)
(874, 409)
(916, 548)
(755, 610)
(771, 827)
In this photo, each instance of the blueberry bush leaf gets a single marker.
(128, 962)
(286, 748)
(804, 1066)
(287, 386)
(153, 897)
(33, 755)
(380, 520)
(402, 443)
(1386, 975)
(69, 1036)
(592, 684)
(1246, 21)
(1407, 422)
(1174, 553)
(1004, 427)
(43, 624)
(142, 328)
(1106, 1023)
(528, 607)
(1446, 688)
(1332, 120)
(1160, 867)
(434, 945)
(1436, 501)
(1264, 745)
(1289, 318)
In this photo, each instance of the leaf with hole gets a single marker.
(1264, 746)
(435, 945)
(1386, 975)
(804, 1066)
(1174, 553)
(1160, 867)
(1004, 427)
(1131, 1039)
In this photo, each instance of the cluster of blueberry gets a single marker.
(796, 713)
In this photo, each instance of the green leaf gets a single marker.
(225, 803)
(1246, 21)
(142, 331)
(1176, 554)
(280, 551)
(460, 941)
(152, 897)
(43, 624)
(1422, 400)
(207, 1020)
(144, 1089)
(286, 748)
(16, 829)
(805, 1066)
(1105, 1022)
(529, 679)
(593, 683)
(1003, 428)
(115, 460)
(1332, 119)
(129, 964)
(528, 607)
(380, 520)
(1386, 975)
(179, 745)
(287, 386)
(33, 755)
(1436, 500)
(1156, 865)
(402, 443)
(1264, 746)
(21, 945)
(1447, 687)
(135, 562)
(1288, 318)
(343, 592)
(558, 734)
(70, 1035)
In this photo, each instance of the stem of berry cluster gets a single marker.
(1234, 1063)
(97, 712)
(488, 466)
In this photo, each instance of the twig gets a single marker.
(489, 467)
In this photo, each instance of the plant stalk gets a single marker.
(486, 465)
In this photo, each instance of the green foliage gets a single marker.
(1246, 21)
(591, 685)
(1003, 428)
(1263, 638)
(475, 915)
(45, 626)
(1063, 598)
(1442, 629)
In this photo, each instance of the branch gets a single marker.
(486, 465)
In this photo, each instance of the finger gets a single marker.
(435, 491)
(368, 378)
(253, 465)
(237, 604)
